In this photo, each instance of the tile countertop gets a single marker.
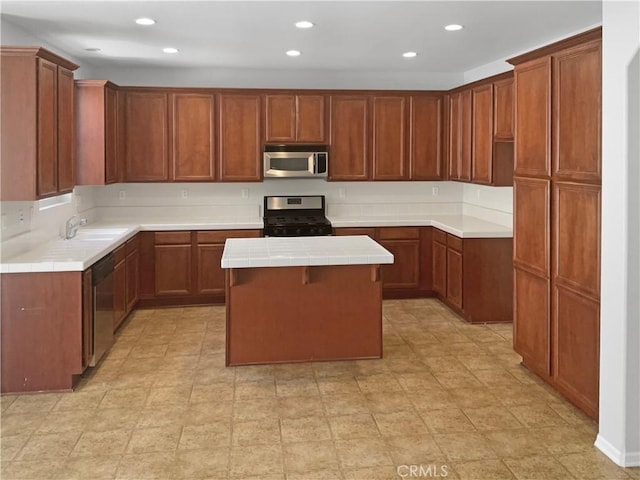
(303, 251)
(98, 239)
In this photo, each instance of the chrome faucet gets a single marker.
(71, 227)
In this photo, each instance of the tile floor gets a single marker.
(448, 400)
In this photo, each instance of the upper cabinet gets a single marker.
(97, 133)
(503, 110)
(240, 145)
(389, 141)
(295, 118)
(349, 157)
(37, 118)
(425, 137)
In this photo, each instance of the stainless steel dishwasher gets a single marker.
(102, 273)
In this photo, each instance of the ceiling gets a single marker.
(348, 35)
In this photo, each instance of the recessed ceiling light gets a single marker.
(293, 53)
(92, 49)
(145, 21)
(409, 54)
(170, 50)
(304, 24)
(453, 27)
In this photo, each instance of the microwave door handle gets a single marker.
(314, 163)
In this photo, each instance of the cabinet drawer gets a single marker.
(454, 242)
(400, 233)
(439, 236)
(219, 236)
(172, 238)
(371, 232)
(131, 245)
(119, 254)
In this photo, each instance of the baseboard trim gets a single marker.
(628, 459)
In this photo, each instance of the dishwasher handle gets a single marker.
(102, 269)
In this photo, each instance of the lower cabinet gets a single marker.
(183, 267)
(125, 280)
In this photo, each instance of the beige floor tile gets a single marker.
(65, 421)
(537, 468)
(464, 446)
(50, 446)
(256, 432)
(570, 414)
(289, 371)
(146, 466)
(296, 407)
(347, 427)
(473, 397)
(372, 473)
(82, 468)
(478, 362)
(112, 419)
(205, 436)
(80, 400)
(389, 402)
(317, 475)
(333, 369)
(6, 401)
(483, 470)
(297, 387)
(255, 409)
(154, 439)
(379, 383)
(148, 351)
(406, 422)
(308, 457)
(564, 439)
(256, 460)
(93, 444)
(537, 415)
(417, 382)
(305, 429)
(50, 468)
(448, 420)
(215, 392)
(442, 364)
(450, 380)
(495, 377)
(183, 349)
(492, 418)
(414, 450)
(591, 465)
(516, 395)
(160, 416)
(342, 385)
(362, 453)
(205, 413)
(132, 398)
(34, 403)
(21, 423)
(11, 445)
(516, 443)
(208, 463)
(208, 375)
(364, 368)
(345, 404)
(255, 373)
(259, 389)
(431, 399)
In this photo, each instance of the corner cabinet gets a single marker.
(37, 121)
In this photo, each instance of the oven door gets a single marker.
(294, 165)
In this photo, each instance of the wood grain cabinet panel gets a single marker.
(280, 118)
(132, 266)
(119, 293)
(454, 137)
(577, 99)
(531, 322)
(405, 271)
(47, 169)
(192, 127)
(482, 144)
(466, 132)
(577, 237)
(503, 109)
(439, 253)
(112, 168)
(211, 276)
(239, 137)
(173, 269)
(349, 138)
(145, 137)
(533, 118)
(425, 143)
(454, 277)
(311, 125)
(66, 149)
(532, 223)
(389, 148)
(576, 347)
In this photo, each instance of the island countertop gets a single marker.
(303, 251)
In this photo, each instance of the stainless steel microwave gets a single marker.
(296, 161)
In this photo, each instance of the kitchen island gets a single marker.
(297, 299)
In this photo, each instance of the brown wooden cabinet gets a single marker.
(460, 127)
(439, 251)
(146, 136)
(97, 132)
(389, 137)
(557, 215)
(482, 138)
(425, 137)
(173, 263)
(36, 118)
(132, 266)
(349, 138)
(119, 287)
(239, 137)
(295, 118)
(503, 109)
(192, 137)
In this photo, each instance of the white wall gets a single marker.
(619, 429)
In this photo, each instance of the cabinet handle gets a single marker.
(305, 275)
(375, 273)
(31, 309)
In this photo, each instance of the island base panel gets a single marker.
(298, 314)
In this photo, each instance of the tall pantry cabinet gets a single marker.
(557, 183)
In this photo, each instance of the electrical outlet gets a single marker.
(244, 193)
(184, 194)
(20, 216)
(122, 194)
(435, 191)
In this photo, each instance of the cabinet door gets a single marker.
(439, 253)
(482, 143)
(240, 157)
(405, 271)
(47, 170)
(173, 269)
(192, 134)
(425, 131)
(87, 318)
(532, 223)
(132, 267)
(454, 136)
(466, 129)
(311, 125)
(66, 138)
(280, 118)
(145, 136)
(211, 276)
(577, 92)
(119, 294)
(503, 111)
(349, 158)
(533, 118)
(390, 138)
(454, 277)
(111, 170)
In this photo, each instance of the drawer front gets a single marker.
(371, 232)
(119, 254)
(219, 236)
(131, 245)
(439, 236)
(454, 242)
(172, 238)
(399, 233)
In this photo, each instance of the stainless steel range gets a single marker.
(295, 216)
